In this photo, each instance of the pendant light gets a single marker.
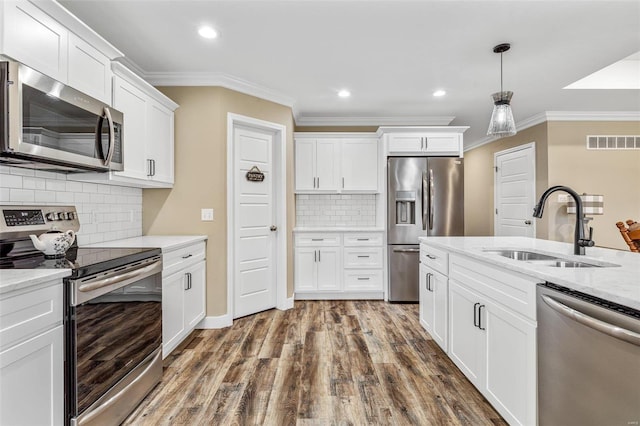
(502, 123)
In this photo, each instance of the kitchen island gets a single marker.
(478, 302)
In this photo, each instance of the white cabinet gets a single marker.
(434, 297)
(359, 164)
(327, 268)
(42, 35)
(492, 335)
(34, 38)
(336, 163)
(318, 169)
(183, 294)
(89, 69)
(317, 269)
(148, 134)
(32, 357)
(424, 140)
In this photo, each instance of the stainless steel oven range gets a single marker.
(113, 319)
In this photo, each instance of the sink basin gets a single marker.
(546, 259)
(522, 255)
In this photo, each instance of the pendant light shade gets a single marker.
(502, 123)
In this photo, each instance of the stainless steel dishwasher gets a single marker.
(588, 360)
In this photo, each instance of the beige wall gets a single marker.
(479, 180)
(562, 159)
(612, 173)
(201, 177)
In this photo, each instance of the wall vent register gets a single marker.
(613, 142)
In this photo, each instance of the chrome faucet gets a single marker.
(580, 242)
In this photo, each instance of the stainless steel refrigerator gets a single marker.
(425, 198)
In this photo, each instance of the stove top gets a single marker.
(83, 261)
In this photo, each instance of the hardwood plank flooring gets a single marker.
(320, 363)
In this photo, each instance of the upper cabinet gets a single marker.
(46, 37)
(336, 163)
(148, 134)
(423, 140)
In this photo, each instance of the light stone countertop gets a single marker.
(164, 242)
(337, 229)
(620, 284)
(19, 279)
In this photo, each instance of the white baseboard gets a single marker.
(220, 321)
(286, 304)
(354, 295)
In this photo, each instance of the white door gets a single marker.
(515, 191)
(255, 243)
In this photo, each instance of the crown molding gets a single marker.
(562, 116)
(218, 79)
(302, 120)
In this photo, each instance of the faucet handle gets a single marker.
(587, 242)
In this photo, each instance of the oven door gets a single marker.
(54, 126)
(114, 335)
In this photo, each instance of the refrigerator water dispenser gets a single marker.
(405, 208)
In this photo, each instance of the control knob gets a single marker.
(51, 216)
(62, 216)
(71, 215)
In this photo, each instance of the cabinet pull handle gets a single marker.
(187, 256)
(475, 315)
(153, 163)
(318, 182)
(342, 183)
(318, 255)
(480, 317)
(317, 239)
(148, 167)
(431, 257)
(315, 255)
(426, 143)
(363, 278)
(362, 239)
(364, 256)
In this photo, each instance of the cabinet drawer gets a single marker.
(28, 314)
(364, 280)
(363, 257)
(317, 240)
(181, 258)
(434, 258)
(362, 239)
(510, 289)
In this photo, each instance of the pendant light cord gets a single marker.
(501, 72)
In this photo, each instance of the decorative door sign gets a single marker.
(255, 175)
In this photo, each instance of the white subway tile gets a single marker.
(89, 187)
(22, 171)
(64, 197)
(10, 181)
(46, 175)
(4, 195)
(21, 195)
(55, 185)
(33, 183)
(81, 197)
(44, 196)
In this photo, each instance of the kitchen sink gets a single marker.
(522, 255)
(546, 259)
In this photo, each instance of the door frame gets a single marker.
(279, 156)
(531, 145)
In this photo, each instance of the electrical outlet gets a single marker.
(206, 215)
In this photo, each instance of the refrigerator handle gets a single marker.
(424, 201)
(431, 194)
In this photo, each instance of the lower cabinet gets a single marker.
(183, 294)
(483, 316)
(317, 269)
(338, 265)
(32, 358)
(434, 297)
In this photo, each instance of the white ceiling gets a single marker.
(391, 54)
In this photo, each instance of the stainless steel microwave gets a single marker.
(50, 126)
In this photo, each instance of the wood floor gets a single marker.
(321, 363)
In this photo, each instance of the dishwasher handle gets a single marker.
(596, 324)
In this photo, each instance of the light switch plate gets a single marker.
(206, 215)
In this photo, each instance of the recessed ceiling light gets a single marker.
(207, 32)
(439, 93)
(344, 93)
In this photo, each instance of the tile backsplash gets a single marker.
(336, 210)
(106, 212)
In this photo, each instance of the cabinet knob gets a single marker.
(527, 222)
(273, 228)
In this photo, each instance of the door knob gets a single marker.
(273, 228)
(527, 222)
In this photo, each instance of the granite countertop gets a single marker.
(620, 284)
(337, 229)
(18, 279)
(163, 242)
